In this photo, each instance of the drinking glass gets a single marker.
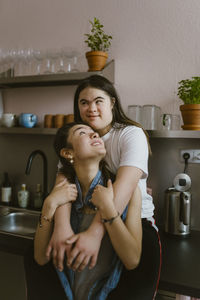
(39, 56)
(75, 61)
(48, 62)
(151, 117)
(61, 65)
(54, 55)
(135, 113)
(71, 58)
(170, 122)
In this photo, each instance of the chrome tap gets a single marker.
(45, 169)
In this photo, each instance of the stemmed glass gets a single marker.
(61, 68)
(29, 61)
(11, 57)
(75, 61)
(47, 59)
(54, 55)
(39, 56)
(25, 61)
(71, 59)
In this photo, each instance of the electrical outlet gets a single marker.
(194, 155)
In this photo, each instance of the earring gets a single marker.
(71, 160)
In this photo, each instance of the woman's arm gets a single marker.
(126, 238)
(89, 242)
(62, 230)
(62, 193)
(127, 179)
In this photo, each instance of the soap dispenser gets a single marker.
(23, 196)
(38, 199)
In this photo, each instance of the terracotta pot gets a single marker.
(96, 60)
(191, 116)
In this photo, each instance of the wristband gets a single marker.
(44, 218)
(111, 219)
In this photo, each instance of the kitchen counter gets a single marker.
(180, 260)
(181, 264)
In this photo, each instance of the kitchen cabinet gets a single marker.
(12, 283)
(12, 277)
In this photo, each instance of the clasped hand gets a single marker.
(81, 249)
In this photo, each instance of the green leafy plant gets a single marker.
(189, 90)
(97, 40)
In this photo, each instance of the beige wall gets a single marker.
(155, 44)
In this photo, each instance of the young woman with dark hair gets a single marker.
(81, 151)
(97, 104)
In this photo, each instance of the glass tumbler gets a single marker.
(151, 117)
(135, 113)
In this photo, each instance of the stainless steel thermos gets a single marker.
(178, 206)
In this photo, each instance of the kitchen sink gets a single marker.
(18, 222)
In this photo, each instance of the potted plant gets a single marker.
(99, 42)
(189, 93)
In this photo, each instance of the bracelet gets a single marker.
(44, 218)
(111, 219)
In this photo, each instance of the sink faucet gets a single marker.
(28, 169)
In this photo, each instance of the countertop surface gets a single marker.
(180, 260)
(181, 264)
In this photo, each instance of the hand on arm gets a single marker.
(128, 234)
(61, 194)
(126, 181)
(85, 250)
(86, 245)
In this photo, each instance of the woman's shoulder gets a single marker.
(128, 130)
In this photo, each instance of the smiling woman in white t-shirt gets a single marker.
(97, 104)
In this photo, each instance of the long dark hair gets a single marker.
(119, 117)
(60, 142)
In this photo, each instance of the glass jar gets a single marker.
(151, 117)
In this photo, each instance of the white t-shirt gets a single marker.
(128, 147)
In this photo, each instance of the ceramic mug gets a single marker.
(8, 120)
(27, 120)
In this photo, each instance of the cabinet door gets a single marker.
(12, 277)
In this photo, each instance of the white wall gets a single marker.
(155, 44)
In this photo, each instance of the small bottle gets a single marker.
(6, 190)
(23, 196)
(38, 199)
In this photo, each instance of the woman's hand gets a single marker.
(102, 198)
(85, 250)
(57, 247)
(62, 193)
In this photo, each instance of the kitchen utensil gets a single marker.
(59, 120)
(151, 117)
(170, 122)
(69, 118)
(48, 121)
(27, 120)
(182, 182)
(178, 206)
(135, 113)
(8, 120)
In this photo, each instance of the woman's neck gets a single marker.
(85, 173)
